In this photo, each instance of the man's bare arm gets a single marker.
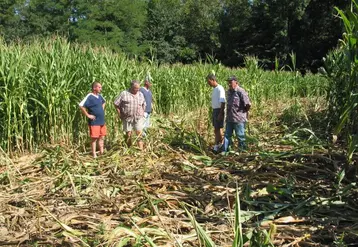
(222, 112)
(84, 111)
(118, 110)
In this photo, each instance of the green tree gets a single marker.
(21, 19)
(44, 18)
(117, 24)
(10, 19)
(317, 32)
(271, 23)
(163, 32)
(201, 26)
(185, 31)
(235, 31)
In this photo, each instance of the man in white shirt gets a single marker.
(218, 104)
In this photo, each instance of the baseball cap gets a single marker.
(232, 78)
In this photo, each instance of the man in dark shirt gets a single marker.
(238, 105)
(148, 96)
(92, 106)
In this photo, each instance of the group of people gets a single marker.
(237, 103)
(134, 107)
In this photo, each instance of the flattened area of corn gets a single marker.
(62, 198)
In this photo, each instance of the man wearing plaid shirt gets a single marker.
(130, 105)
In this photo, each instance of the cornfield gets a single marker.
(42, 82)
(290, 189)
(293, 186)
(341, 68)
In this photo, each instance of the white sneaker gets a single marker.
(216, 148)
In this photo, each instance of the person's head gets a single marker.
(211, 79)
(135, 86)
(232, 81)
(96, 87)
(147, 83)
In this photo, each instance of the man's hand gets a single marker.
(92, 117)
(222, 112)
(118, 111)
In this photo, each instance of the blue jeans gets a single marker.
(239, 132)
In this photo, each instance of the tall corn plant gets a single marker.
(342, 70)
(41, 84)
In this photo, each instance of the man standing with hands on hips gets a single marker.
(92, 106)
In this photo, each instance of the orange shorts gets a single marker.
(97, 131)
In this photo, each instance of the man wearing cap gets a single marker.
(130, 105)
(218, 105)
(147, 93)
(238, 105)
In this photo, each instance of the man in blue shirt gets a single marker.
(92, 106)
(148, 100)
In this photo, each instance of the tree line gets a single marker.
(186, 31)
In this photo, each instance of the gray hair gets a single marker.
(134, 82)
